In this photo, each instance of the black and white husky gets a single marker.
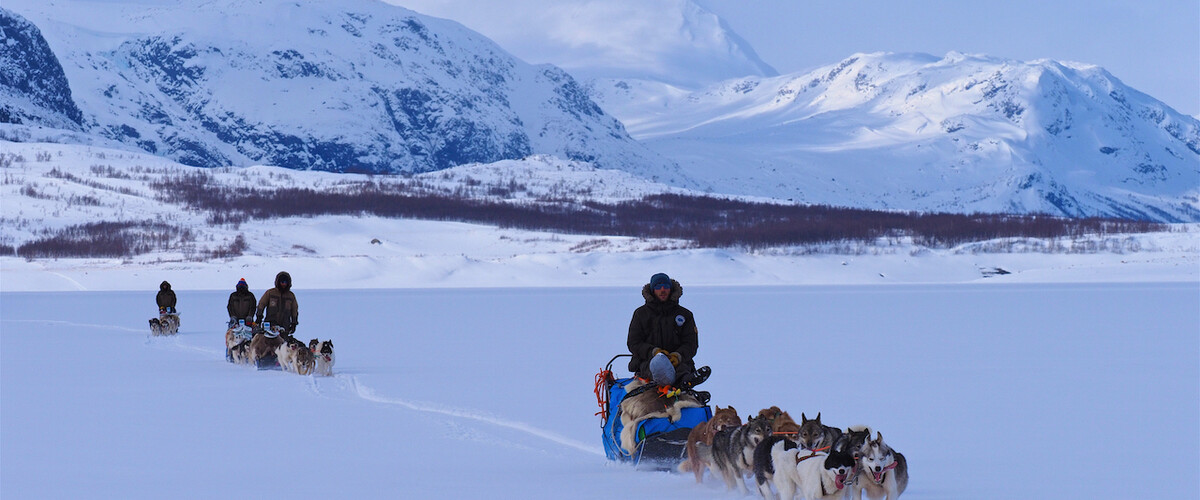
(883, 471)
(733, 451)
(764, 460)
(811, 474)
(323, 351)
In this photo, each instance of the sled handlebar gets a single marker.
(608, 367)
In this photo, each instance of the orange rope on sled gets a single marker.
(602, 381)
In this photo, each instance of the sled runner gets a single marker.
(656, 441)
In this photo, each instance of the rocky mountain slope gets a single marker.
(347, 86)
(33, 88)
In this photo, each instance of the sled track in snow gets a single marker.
(369, 394)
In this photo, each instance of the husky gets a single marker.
(262, 350)
(770, 413)
(169, 324)
(814, 475)
(156, 326)
(240, 353)
(723, 418)
(733, 451)
(884, 471)
(654, 402)
(323, 353)
(304, 360)
(285, 355)
(235, 335)
(814, 435)
(785, 433)
(289, 355)
(853, 439)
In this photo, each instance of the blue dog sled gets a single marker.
(660, 443)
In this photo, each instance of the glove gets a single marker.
(674, 358)
(658, 351)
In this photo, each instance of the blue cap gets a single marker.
(659, 279)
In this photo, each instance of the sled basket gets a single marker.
(660, 442)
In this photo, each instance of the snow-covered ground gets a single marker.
(992, 390)
(466, 353)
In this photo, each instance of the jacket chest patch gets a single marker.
(680, 320)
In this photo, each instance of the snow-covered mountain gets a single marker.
(962, 133)
(33, 88)
(341, 86)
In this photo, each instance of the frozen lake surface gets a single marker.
(990, 390)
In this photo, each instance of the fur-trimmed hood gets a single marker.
(676, 293)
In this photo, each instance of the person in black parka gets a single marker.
(278, 305)
(242, 304)
(662, 326)
(165, 298)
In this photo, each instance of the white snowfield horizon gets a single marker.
(487, 258)
(348, 252)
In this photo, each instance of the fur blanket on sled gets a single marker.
(649, 404)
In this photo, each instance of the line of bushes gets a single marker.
(104, 239)
(707, 221)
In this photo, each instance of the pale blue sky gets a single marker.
(1153, 46)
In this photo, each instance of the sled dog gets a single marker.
(783, 425)
(156, 326)
(853, 439)
(323, 353)
(262, 349)
(285, 355)
(884, 471)
(649, 403)
(233, 336)
(723, 418)
(289, 354)
(764, 461)
(240, 353)
(168, 324)
(814, 475)
(304, 359)
(785, 433)
(814, 435)
(733, 451)
(770, 413)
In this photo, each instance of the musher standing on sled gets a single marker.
(165, 298)
(663, 337)
(278, 305)
(241, 304)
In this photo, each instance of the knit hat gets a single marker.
(242, 284)
(660, 279)
(661, 369)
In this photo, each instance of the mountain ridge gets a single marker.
(356, 86)
(917, 132)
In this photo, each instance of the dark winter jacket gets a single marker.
(242, 304)
(165, 297)
(662, 325)
(278, 305)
